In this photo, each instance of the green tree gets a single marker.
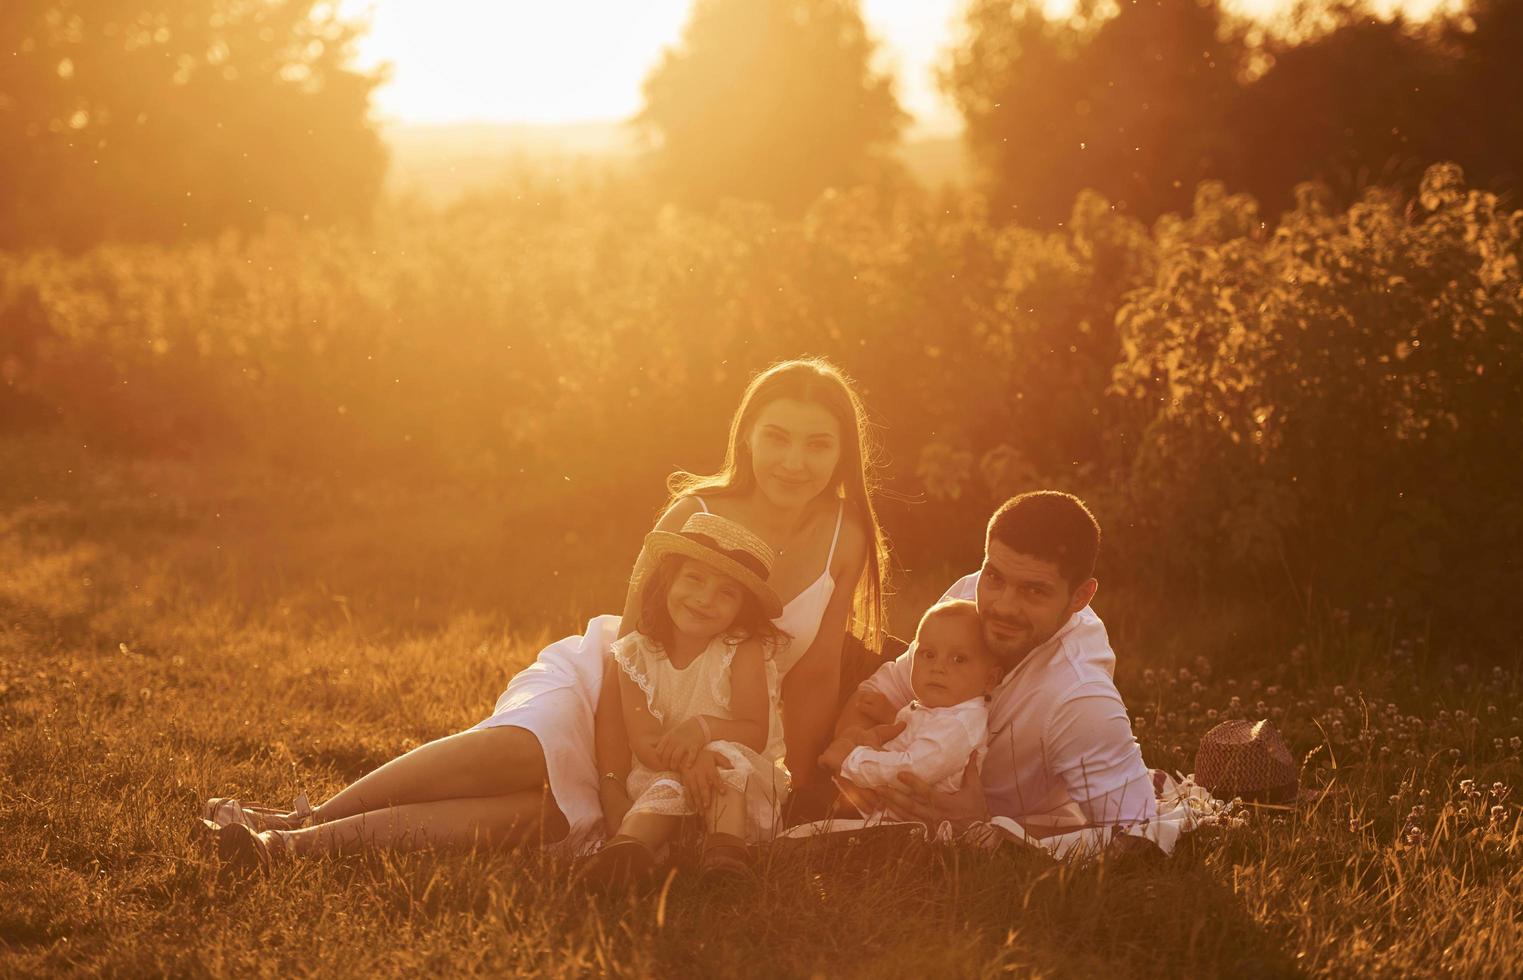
(770, 100)
(1132, 101)
(158, 119)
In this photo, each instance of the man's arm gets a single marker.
(877, 700)
(1089, 745)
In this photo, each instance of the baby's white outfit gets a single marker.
(935, 745)
(703, 688)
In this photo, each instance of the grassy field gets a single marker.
(172, 631)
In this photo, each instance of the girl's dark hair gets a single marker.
(655, 622)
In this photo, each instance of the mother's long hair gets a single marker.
(817, 381)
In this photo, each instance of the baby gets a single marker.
(952, 674)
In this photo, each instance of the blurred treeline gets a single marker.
(1144, 99)
(159, 120)
(163, 119)
(1316, 408)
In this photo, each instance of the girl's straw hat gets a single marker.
(727, 546)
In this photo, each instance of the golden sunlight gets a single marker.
(456, 61)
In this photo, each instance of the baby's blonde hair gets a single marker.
(963, 608)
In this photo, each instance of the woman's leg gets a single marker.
(512, 819)
(473, 764)
(482, 763)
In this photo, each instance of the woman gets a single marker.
(798, 474)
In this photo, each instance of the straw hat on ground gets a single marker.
(725, 545)
(1247, 760)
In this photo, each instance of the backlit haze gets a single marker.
(574, 61)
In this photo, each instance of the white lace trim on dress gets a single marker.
(636, 671)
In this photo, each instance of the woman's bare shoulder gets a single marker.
(677, 514)
(851, 550)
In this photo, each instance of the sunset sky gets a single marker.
(584, 60)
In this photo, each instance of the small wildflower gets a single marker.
(1516, 743)
(1467, 786)
(1498, 813)
(1338, 691)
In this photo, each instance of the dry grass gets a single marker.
(169, 633)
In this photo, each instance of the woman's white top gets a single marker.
(1061, 751)
(936, 745)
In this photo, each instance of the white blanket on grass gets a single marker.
(1182, 807)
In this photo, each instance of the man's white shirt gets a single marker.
(1061, 752)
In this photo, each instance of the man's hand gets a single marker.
(679, 747)
(701, 779)
(836, 752)
(918, 800)
(873, 737)
(874, 706)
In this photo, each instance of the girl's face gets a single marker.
(795, 447)
(703, 601)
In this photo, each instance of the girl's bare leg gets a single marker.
(483, 763)
(650, 829)
(727, 815)
(512, 819)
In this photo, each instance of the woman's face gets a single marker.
(795, 447)
(703, 601)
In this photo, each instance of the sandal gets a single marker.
(620, 865)
(225, 811)
(242, 850)
(724, 859)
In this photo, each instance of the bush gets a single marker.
(1328, 411)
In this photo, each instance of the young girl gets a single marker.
(699, 696)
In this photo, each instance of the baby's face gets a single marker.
(951, 662)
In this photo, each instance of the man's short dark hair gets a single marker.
(1052, 526)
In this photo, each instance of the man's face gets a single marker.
(1023, 601)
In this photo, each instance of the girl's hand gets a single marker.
(679, 747)
(701, 779)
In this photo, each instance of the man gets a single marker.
(1061, 751)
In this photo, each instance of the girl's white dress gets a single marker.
(703, 688)
(555, 698)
